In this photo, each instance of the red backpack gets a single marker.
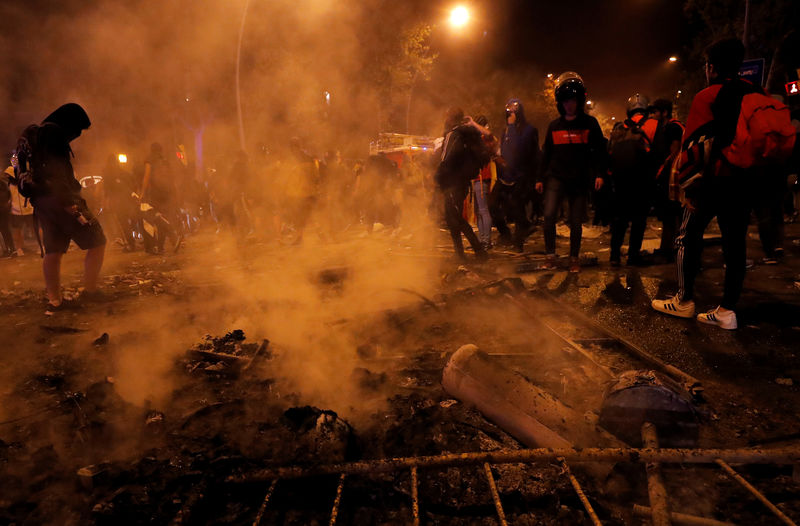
(764, 133)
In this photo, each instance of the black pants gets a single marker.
(726, 198)
(454, 217)
(670, 214)
(555, 192)
(631, 206)
(508, 204)
(5, 230)
(768, 208)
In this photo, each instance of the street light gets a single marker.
(673, 59)
(459, 17)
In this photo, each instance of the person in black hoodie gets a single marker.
(59, 208)
(573, 160)
(462, 156)
(519, 149)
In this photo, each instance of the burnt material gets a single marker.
(636, 397)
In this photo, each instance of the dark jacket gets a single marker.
(574, 152)
(51, 155)
(462, 156)
(519, 149)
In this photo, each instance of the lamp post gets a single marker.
(459, 17)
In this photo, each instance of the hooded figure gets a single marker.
(45, 150)
(519, 147)
(60, 211)
(519, 150)
(72, 118)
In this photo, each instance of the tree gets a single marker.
(414, 63)
(710, 20)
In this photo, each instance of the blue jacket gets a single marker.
(520, 150)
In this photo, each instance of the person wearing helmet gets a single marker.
(573, 161)
(632, 175)
(519, 150)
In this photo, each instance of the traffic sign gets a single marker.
(753, 70)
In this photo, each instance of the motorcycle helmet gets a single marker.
(637, 103)
(569, 85)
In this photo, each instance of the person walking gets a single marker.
(462, 156)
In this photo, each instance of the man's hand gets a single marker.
(598, 183)
(539, 187)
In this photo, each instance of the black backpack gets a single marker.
(462, 157)
(27, 183)
(628, 148)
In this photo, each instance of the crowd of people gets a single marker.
(734, 156)
(687, 173)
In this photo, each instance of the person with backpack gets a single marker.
(45, 175)
(573, 161)
(519, 151)
(632, 174)
(463, 154)
(666, 148)
(732, 128)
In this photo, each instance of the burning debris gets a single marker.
(189, 457)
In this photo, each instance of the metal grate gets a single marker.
(650, 456)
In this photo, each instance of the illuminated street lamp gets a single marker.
(459, 17)
(123, 159)
(673, 59)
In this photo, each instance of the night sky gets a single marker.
(619, 47)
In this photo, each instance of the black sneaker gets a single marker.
(65, 305)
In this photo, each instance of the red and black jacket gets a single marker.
(714, 114)
(574, 151)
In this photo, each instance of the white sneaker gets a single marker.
(724, 320)
(674, 307)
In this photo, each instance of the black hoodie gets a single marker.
(52, 156)
(519, 149)
(574, 152)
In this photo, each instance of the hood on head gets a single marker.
(71, 117)
(520, 113)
